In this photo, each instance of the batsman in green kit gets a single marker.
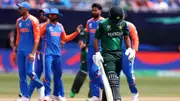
(82, 74)
(110, 33)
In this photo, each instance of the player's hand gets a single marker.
(131, 53)
(62, 44)
(14, 58)
(31, 56)
(97, 58)
(79, 28)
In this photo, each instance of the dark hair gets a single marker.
(96, 5)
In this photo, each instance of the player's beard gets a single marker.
(95, 16)
(55, 19)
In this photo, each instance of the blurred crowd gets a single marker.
(69, 4)
(135, 5)
(145, 5)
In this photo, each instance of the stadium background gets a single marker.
(157, 64)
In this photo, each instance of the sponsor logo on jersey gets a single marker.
(24, 30)
(55, 34)
(115, 34)
(92, 31)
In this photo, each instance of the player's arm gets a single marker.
(126, 37)
(134, 37)
(70, 37)
(36, 31)
(17, 37)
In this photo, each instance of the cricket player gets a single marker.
(91, 26)
(81, 75)
(128, 66)
(54, 33)
(111, 32)
(28, 36)
(40, 54)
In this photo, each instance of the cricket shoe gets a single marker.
(46, 98)
(72, 94)
(41, 93)
(94, 98)
(135, 97)
(23, 99)
(58, 98)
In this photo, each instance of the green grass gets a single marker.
(148, 86)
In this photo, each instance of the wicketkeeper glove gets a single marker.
(97, 58)
(131, 53)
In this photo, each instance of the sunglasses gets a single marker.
(20, 8)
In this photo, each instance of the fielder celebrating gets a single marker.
(128, 66)
(54, 33)
(111, 32)
(28, 35)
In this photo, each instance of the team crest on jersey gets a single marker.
(108, 27)
(51, 28)
(20, 24)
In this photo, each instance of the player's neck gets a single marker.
(95, 19)
(26, 16)
(55, 22)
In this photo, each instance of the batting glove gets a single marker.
(97, 58)
(131, 53)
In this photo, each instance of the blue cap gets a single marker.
(45, 10)
(55, 11)
(24, 5)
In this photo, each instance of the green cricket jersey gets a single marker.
(111, 35)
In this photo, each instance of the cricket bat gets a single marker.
(107, 87)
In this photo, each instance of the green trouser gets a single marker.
(112, 66)
(83, 65)
(112, 62)
(81, 75)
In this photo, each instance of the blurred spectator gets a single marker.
(161, 5)
(32, 3)
(116, 2)
(172, 4)
(7, 3)
(63, 3)
(143, 5)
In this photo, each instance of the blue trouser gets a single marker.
(128, 70)
(94, 75)
(53, 65)
(39, 66)
(26, 67)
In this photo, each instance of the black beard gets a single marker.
(53, 20)
(95, 16)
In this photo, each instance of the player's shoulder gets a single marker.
(44, 24)
(19, 19)
(33, 19)
(89, 20)
(60, 24)
(130, 24)
(104, 21)
(101, 18)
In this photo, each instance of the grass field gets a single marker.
(150, 88)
